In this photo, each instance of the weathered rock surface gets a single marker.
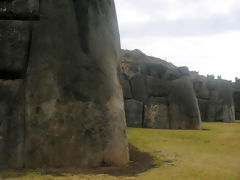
(19, 9)
(236, 98)
(127, 92)
(157, 87)
(156, 114)
(183, 106)
(153, 80)
(134, 113)
(11, 123)
(139, 89)
(14, 40)
(61, 102)
(73, 96)
(215, 97)
(204, 108)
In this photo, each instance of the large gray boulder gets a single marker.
(74, 102)
(156, 113)
(237, 103)
(201, 89)
(203, 107)
(183, 105)
(14, 40)
(11, 123)
(222, 99)
(19, 9)
(125, 82)
(139, 88)
(165, 90)
(215, 98)
(134, 113)
(157, 87)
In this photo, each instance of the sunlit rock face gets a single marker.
(215, 98)
(60, 62)
(166, 92)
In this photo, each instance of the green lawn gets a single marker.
(210, 154)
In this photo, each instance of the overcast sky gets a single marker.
(201, 34)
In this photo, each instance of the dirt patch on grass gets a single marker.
(139, 163)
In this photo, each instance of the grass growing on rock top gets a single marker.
(210, 154)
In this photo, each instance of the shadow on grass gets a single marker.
(206, 129)
(139, 163)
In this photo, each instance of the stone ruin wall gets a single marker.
(215, 98)
(236, 86)
(160, 95)
(61, 103)
(49, 76)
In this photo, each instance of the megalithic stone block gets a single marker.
(134, 113)
(183, 105)
(11, 123)
(14, 47)
(139, 87)
(74, 102)
(19, 9)
(203, 107)
(156, 113)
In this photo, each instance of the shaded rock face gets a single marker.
(184, 110)
(156, 113)
(19, 9)
(11, 123)
(15, 39)
(165, 91)
(236, 98)
(134, 112)
(237, 104)
(71, 104)
(215, 98)
(15, 42)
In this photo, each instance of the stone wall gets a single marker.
(157, 94)
(16, 17)
(61, 103)
(215, 98)
(236, 97)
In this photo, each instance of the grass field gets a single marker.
(210, 154)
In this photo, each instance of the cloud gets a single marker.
(177, 17)
(201, 34)
(213, 54)
(184, 27)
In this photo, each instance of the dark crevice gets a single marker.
(202, 98)
(143, 113)
(28, 49)
(10, 75)
(81, 10)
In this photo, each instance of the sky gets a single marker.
(201, 34)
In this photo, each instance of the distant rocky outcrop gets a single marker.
(61, 102)
(157, 94)
(215, 98)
